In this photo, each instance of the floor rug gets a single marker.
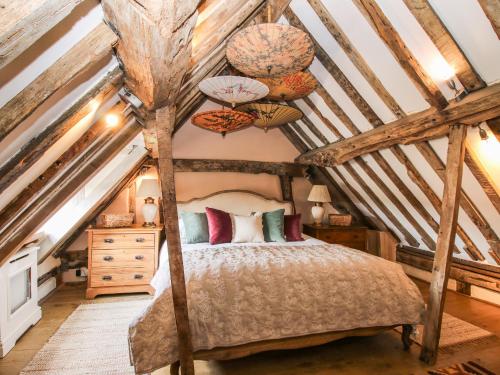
(454, 332)
(93, 340)
(466, 368)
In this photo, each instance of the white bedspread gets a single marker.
(241, 293)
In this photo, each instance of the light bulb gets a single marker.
(112, 120)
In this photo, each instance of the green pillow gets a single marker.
(274, 225)
(195, 227)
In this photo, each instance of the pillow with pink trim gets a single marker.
(292, 228)
(220, 226)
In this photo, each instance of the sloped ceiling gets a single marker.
(363, 84)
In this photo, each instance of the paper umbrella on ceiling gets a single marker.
(291, 87)
(270, 50)
(222, 120)
(267, 115)
(234, 89)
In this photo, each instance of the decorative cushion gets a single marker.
(248, 228)
(220, 227)
(274, 225)
(195, 227)
(292, 228)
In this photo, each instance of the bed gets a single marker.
(253, 297)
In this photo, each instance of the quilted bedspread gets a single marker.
(241, 294)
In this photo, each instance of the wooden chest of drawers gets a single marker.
(350, 236)
(356, 237)
(122, 260)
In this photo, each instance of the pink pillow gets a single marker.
(292, 228)
(220, 227)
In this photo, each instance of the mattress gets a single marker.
(242, 293)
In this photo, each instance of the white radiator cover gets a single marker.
(19, 308)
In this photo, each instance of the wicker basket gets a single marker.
(340, 219)
(117, 220)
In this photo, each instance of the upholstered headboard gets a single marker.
(239, 202)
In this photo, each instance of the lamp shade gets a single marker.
(319, 193)
(148, 188)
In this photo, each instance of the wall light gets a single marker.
(112, 120)
(442, 71)
(483, 133)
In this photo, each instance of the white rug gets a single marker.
(93, 340)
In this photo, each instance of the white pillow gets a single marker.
(247, 228)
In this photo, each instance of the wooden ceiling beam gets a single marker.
(426, 16)
(36, 147)
(23, 22)
(89, 143)
(239, 166)
(67, 184)
(492, 10)
(443, 255)
(383, 27)
(84, 55)
(479, 106)
(356, 58)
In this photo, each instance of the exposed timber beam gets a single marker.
(67, 184)
(494, 125)
(239, 166)
(83, 56)
(479, 106)
(443, 254)
(424, 13)
(464, 271)
(97, 136)
(36, 147)
(381, 24)
(356, 58)
(155, 47)
(93, 213)
(492, 10)
(22, 23)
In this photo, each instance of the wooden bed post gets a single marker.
(445, 241)
(165, 123)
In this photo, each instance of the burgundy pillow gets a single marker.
(220, 227)
(292, 228)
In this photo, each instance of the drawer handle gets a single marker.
(107, 277)
(139, 257)
(109, 240)
(138, 276)
(140, 239)
(108, 258)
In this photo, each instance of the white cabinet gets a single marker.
(19, 308)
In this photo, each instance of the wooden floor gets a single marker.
(372, 355)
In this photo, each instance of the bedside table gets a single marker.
(355, 237)
(122, 260)
(374, 242)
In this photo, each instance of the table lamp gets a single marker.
(319, 195)
(149, 190)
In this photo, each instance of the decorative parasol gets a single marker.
(291, 87)
(270, 50)
(222, 120)
(267, 115)
(233, 89)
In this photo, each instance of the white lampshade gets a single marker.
(319, 193)
(149, 188)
